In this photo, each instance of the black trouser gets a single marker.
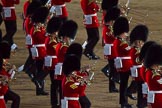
(30, 66)
(40, 76)
(56, 91)
(124, 76)
(11, 28)
(84, 102)
(132, 87)
(93, 38)
(15, 98)
(141, 101)
(63, 19)
(112, 74)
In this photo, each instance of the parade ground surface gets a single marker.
(146, 12)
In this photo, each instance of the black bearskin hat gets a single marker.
(140, 32)
(112, 14)
(33, 6)
(40, 15)
(120, 26)
(68, 29)
(71, 63)
(144, 49)
(153, 56)
(53, 25)
(108, 4)
(43, 2)
(5, 49)
(75, 49)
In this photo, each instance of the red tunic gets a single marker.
(72, 89)
(90, 13)
(3, 89)
(25, 6)
(154, 85)
(9, 9)
(60, 53)
(134, 56)
(51, 52)
(143, 73)
(122, 50)
(108, 38)
(39, 40)
(60, 5)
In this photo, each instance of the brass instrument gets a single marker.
(48, 4)
(4, 80)
(11, 69)
(84, 79)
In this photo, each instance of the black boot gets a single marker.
(132, 89)
(105, 70)
(40, 90)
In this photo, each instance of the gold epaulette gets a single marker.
(36, 30)
(68, 79)
(123, 42)
(137, 51)
(155, 73)
(64, 45)
(73, 86)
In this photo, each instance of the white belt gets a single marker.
(71, 98)
(156, 91)
(109, 44)
(90, 15)
(52, 56)
(59, 6)
(123, 57)
(39, 45)
(8, 7)
(1, 97)
(137, 66)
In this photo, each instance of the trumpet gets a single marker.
(84, 78)
(4, 80)
(11, 69)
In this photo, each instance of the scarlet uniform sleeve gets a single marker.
(62, 52)
(107, 35)
(89, 8)
(3, 89)
(28, 25)
(25, 6)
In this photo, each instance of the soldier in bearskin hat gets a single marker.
(108, 38)
(58, 8)
(66, 35)
(29, 66)
(75, 49)
(9, 18)
(106, 5)
(7, 70)
(38, 49)
(90, 9)
(138, 37)
(72, 85)
(123, 59)
(51, 60)
(153, 63)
